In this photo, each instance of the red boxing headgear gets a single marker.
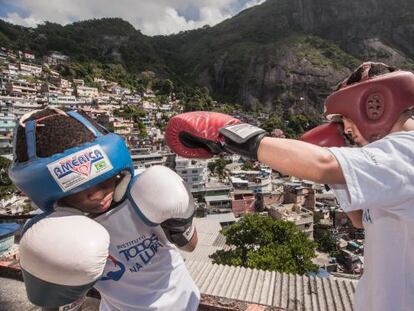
(375, 103)
(326, 135)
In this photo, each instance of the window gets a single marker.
(194, 171)
(195, 179)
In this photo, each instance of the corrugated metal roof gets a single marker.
(282, 290)
(225, 217)
(209, 241)
(220, 241)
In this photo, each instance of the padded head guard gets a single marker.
(45, 180)
(373, 103)
(326, 135)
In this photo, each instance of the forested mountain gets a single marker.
(281, 55)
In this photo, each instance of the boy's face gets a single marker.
(96, 199)
(351, 129)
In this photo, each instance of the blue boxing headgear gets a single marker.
(47, 180)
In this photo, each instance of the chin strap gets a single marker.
(122, 186)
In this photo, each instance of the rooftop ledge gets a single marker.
(241, 289)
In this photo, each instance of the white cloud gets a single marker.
(167, 22)
(151, 17)
(24, 21)
(251, 3)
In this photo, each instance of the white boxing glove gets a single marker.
(161, 198)
(62, 255)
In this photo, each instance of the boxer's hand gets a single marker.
(161, 198)
(202, 134)
(62, 255)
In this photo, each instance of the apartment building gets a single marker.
(243, 201)
(193, 172)
(301, 217)
(7, 123)
(20, 87)
(27, 69)
(78, 82)
(29, 55)
(86, 91)
(22, 106)
(69, 102)
(60, 82)
(6, 146)
(55, 58)
(145, 159)
(123, 126)
(300, 193)
(48, 89)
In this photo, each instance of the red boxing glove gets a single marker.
(196, 134)
(326, 135)
(202, 134)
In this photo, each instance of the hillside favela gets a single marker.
(265, 240)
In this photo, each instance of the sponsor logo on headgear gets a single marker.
(80, 167)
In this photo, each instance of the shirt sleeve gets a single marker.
(377, 176)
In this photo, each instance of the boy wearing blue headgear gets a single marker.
(102, 226)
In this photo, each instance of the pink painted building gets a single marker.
(242, 202)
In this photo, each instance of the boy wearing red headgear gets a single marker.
(373, 183)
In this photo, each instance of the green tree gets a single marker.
(224, 108)
(273, 122)
(142, 129)
(218, 167)
(247, 166)
(264, 243)
(327, 241)
(325, 237)
(298, 124)
(146, 78)
(162, 99)
(131, 111)
(140, 88)
(164, 87)
(212, 166)
(197, 99)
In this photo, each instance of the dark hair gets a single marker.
(365, 71)
(55, 132)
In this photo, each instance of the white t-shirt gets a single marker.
(146, 271)
(380, 181)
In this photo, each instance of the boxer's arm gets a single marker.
(356, 218)
(161, 198)
(300, 159)
(191, 134)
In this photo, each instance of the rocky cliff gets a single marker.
(290, 53)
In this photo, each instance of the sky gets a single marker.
(152, 17)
